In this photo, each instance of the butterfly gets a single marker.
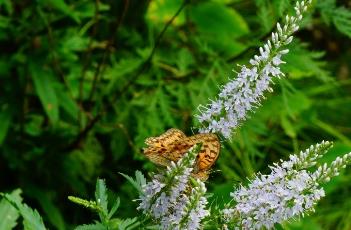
(173, 144)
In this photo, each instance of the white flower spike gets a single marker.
(240, 95)
(290, 190)
(167, 198)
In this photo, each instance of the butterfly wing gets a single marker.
(209, 151)
(173, 144)
(177, 149)
(168, 137)
(207, 155)
(201, 175)
(159, 148)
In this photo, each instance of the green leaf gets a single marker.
(327, 7)
(118, 72)
(34, 125)
(339, 16)
(5, 118)
(52, 212)
(216, 19)
(281, 6)
(304, 63)
(126, 224)
(332, 131)
(219, 25)
(265, 15)
(160, 12)
(67, 103)
(114, 208)
(7, 4)
(8, 213)
(342, 20)
(31, 218)
(63, 7)
(165, 105)
(101, 195)
(97, 226)
(288, 127)
(44, 85)
(138, 182)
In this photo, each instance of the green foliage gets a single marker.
(44, 86)
(138, 182)
(101, 197)
(100, 206)
(31, 218)
(83, 83)
(8, 213)
(339, 16)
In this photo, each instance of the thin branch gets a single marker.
(99, 70)
(55, 60)
(87, 61)
(74, 144)
(83, 133)
(92, 123)
(147, 62)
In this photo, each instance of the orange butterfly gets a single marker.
(173, 144)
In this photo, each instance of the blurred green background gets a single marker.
(83, 83)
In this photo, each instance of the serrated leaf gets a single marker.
(119, 70)
(8, 213)
(138, 182)
(342, 20)
(126, 224)
(165, 106)
(114, 208)
(304, 63)
(52, 212)
(101, 195)
(326, 7)
(140, 178)
(44, 86)
(265, 15)
(129, 224)
(31, 218)
(97, 226)
(281, 6)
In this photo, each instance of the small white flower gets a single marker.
(167, 200)
(240, 95)
(289, 191)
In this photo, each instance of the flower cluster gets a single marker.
(168, 200)
(176, 201)
(242, 94)
(289, 191)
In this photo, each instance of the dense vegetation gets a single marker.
(85, 82)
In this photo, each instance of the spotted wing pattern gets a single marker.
(173, 144)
